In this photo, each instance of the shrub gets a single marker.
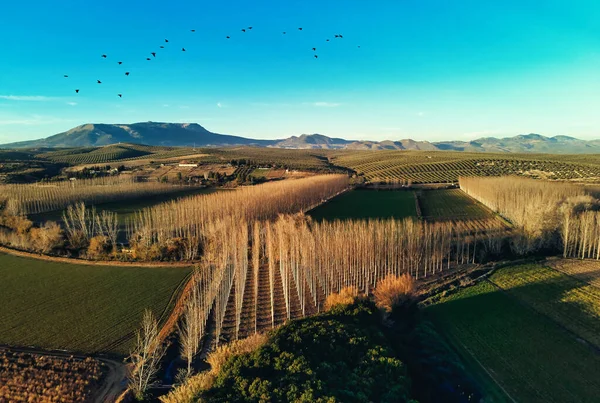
(46, 238)
(19, 223)
(152, 252)
(346, 296)
(98, 247)
(393, 292)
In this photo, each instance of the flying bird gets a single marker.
(166, 40)
(249, 27)
(120, 95)
(104, 56)
(315, 49)
(120, 62)
(337, 36)
(153, 54)
(243, 30)
(99, 82)
(228, 37)
(300, 29)
(126, 73)
(193, 30)
(77, 91)
(284, 32)
(341, 36)
(183, 49)
(66, 76)
(327, 40)
(316, 57)
(162, 47)
(148, 58)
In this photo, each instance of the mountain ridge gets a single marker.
(188, 134)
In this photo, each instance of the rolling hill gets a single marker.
(192, 134)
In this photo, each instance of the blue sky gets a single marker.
(425, 69)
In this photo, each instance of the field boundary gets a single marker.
(175, 307)
(309, 209)
(71, 260)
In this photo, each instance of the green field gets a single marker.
(449, 204)
(570, 302)
(513, 346)
(77, 307)
(367, 204)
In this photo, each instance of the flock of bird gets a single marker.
(243, 30)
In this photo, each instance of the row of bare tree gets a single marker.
(188, 219)
(581, 235)
(548, 213)
(23, 199)
(315, 259)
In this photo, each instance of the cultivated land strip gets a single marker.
(572, 304)
(79, 307)
(501, 334)
(584, 270)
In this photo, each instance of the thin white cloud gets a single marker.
(322, 104)
(421, 114)
(72, 103)
(25, 98)
(219, 105)
(33, 120)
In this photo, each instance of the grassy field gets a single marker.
(510, 343)
(78, 307)
(365, 204)
(451, 204)
(572, 303)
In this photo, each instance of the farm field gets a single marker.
(24, 376)
(80, 307)
(367, 204)
(444, 166)
(514, 348)
(584, 270)
(572, 303)
(451, 204)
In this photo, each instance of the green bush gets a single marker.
(339, 356)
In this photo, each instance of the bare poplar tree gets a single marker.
(146, 356)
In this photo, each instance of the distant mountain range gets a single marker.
(192, 134)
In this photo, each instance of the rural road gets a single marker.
(111, 387)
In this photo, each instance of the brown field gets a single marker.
(29, 377)
(584, 270)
